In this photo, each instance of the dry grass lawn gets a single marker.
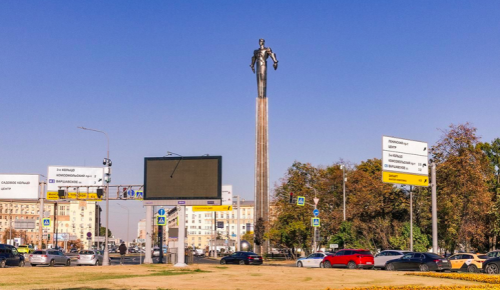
(204, 276)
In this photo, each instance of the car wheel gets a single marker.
(328, 264)
(2, 264)
(241, 262)
(52, 263)
(472, 269)
(33, 265)
(21, 264)
(492, 268)
(68, 263)
(351, 265)
(321, 265)
(299, 264)
(223, 262)
(423, 268)
(390, 267)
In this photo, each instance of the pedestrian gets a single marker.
(123, 251)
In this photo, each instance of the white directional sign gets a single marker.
(405, 161)
(19, 186)
(74, 176)
(227, 195)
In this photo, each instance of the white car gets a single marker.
(313, 260)
(384, 256)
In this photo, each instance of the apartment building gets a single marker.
(200, 225)
(74, 218)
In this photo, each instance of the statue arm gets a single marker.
(252, 65)
(273, 57)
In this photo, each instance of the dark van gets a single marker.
(10, 257)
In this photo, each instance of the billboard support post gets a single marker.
(149, 235)
(411, 218)
(40, 231)
(238, 229)
(181, 238)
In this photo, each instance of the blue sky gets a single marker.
(174, 76)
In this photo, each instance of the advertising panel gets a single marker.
(74, 176)
(227, 195)
(183, 180)
(19, 186)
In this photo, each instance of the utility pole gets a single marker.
(434, 209)
(40, 224)
(55, 222)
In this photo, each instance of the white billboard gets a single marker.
(19, 186)
(227, 195)
(72, 176)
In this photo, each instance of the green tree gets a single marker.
(102, 232)
(401, 241)
(463, 172)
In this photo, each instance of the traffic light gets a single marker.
(125, 192)
(48, 237)
(100, 192)
(291, 198)
(61, 193)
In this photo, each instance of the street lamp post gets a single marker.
(343, 185)
(105, 261)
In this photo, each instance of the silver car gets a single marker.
(89, 257)
(384, 256)
(49, 257)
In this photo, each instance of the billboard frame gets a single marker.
(179, 200)
(24, 198)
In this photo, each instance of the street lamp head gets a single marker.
(341, 166)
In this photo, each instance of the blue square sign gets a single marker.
(301, 200)
(315, 222)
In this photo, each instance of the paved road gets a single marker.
(136, 260)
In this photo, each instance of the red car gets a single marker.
(352, 259)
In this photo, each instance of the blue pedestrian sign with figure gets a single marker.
(162, 221)
(315, 222)
(301, 200)
(161, 211)
(46, 223)
(316, 212)
(139, 195)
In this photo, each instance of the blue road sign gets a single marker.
(139, 194)
(46, 223)
(161, 211)
(131, 192)
(315, 222)
(161, 221)
(301, 200)
(316, 212)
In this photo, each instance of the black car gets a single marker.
(10, 257)
(492, 266)
(242, 258)
(419, 261)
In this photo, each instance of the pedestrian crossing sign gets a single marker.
(46, 223)
(139, 195)
(301, 200)
(315, 222)
(162, 220)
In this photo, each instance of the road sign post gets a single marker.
(405, 162)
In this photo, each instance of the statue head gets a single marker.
(261, 41)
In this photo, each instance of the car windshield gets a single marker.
(86, 252)
(251, 253)
(39, 253)
(22, 246)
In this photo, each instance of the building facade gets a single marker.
(74, 220)
(200, 225)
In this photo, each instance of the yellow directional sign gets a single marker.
(403, 178)
(213, 208)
